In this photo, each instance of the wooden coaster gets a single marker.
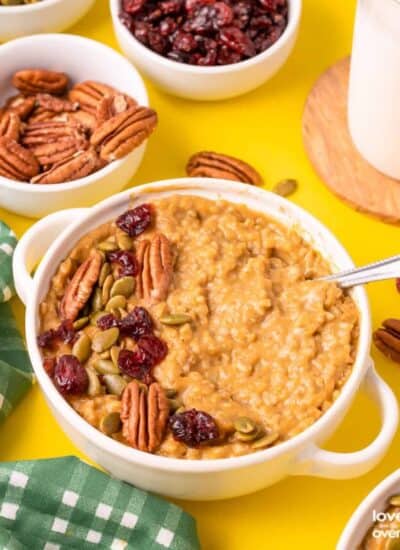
(330, 148)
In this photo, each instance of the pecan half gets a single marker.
(10, 125)
(122, 133)
(81, 164)
(144, 416)
(110, 106)
(52, 153)
(20, 105)
(85, 119)
(56, 104)
(16, 162)
(49, 131)
(32, 81)
(89, 93)
(81, 286)
(155, 275)
(216, 165)
(387, 339)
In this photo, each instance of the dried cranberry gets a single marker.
(194, 427)
(167, 26)
(133, 6)
(64, 332)
(135, 364)
(127, 261)
(154, 349)
(48, 364)
(135, 221)
(184, 42)
(69, 375)
(136, 324)
(224, 15)
(107, 321)
(171, 6)
(237, 41)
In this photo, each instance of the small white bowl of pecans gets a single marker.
(72, 132)
(25, 17)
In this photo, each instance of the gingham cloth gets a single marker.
(63, 504)
(15, 369)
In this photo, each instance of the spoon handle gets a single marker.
(377, 271)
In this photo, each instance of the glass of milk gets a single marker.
(374, 90)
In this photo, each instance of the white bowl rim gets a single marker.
(129, 454)
(36, 6)
(383, 489)
(293, 22)
(87, 180)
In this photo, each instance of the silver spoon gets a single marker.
(377, 271)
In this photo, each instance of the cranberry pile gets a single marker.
(206, 32)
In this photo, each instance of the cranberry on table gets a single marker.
(206, 32)
(69, 376)
(194, 427)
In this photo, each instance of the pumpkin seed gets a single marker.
(80, 323)
(105, 354)
(285, 187)
(114, 383)
(85, 312)
(265, 441)
(175, 319)
(105, 366)
(123, 286)
(105, 271)
(107, 246)
(103, 340)
(96, 316)
(97, 302)
(81, 348)
(124, 241)
(116, 302)
(122, 313)
(171, 393)
(395, 500)
(249, 436)
(244, 425)
(95, 387)
(114, 354)
(110, 423)
(108, 283)
(174, 404)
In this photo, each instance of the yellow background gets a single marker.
(264, 128)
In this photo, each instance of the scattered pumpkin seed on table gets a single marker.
(285, 187)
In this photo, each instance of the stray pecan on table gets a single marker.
(207, 164)
(67, 135)
(387, 339)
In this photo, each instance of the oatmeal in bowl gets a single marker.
(195, 329)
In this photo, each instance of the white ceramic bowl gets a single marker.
(363, 519)
(208, 83)
(54, 236)
(41, 17)
(82, 59)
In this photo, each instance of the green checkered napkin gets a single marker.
(63, 503)
(15, 368)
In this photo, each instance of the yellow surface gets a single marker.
(263, 127)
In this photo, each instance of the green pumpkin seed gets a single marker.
(174, 404)
(108, 283)
(175, 319)
(116, 302)
(257, 433)
(80, 323)
(97, 302)
(105, 271)
(85, 312)
(285, 187)
(122, 313)
(105, 354)
(95, 387)
(110, 423)
(81, 348)
(107, 246)
(105, 366)
(123, 286)
(395, 500)
(115, 384)
(124, 241)
(103, 340)
(244, 425)
(96, 316)
(265, 441)
(114, 354)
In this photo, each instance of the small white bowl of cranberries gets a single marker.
(207, 49)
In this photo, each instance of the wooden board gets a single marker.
(330, 148)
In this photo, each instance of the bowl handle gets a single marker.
(321, 463)
(34, 244)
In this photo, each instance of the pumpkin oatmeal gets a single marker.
(194, 329)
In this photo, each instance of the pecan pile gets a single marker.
(206, 32)
(50, 133)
